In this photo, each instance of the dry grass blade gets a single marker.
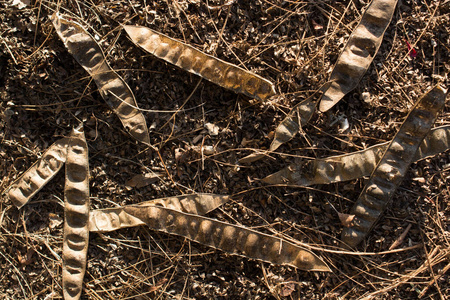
(359, 52)
(192, 60)
(354, 165)
(392, 167)
(39, 174)
(112, 87)
(232, 239)
(76, 213)
(115, 218)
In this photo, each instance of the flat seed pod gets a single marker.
(232, 239)
(392, 167)
(297, 117)
(76, 214)
(39, 174)
(358, 54)
(111, 86)
(208, 67)
(110, 219)
(354, 165)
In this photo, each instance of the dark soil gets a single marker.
(44, 92)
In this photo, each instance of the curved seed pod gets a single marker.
(232, 239)
(76, 214)
(192, 60)
(39, 174)
(115, 218)
(354, 165)
(358, 54)
(389, 172)
(288, 128)
(112, 87)
(297, 117)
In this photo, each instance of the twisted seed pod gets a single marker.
(39, 174)
(76, 214)
(192, 60)
(392, 167)
(112, 87)
(354, 165)
(358, 54)
(232, 239)
(115, 218)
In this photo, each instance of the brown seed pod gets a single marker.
(354, 165)
(76, 213)
(358, 54)
(39, 174)
(110, 219)
(111, 86)
(192, 60)
(297, 117)
(232, 239)
(392, 167)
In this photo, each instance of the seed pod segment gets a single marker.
(392, 167)
(192, 60)
(76, 214)
(354, 165)
(39, 174)
(358, 54)
(232, 239)
(112, 87)
(115, 218)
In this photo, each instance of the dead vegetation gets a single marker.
(199, 132)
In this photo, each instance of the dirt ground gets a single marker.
(44, 92)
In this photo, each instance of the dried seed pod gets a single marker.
(192, 60)
(354, 165)
(112, 87)
(298, 116)
(358, 54)
(392, 167)
(115, 218)
(39, 174)
(76, 214)
(232, 239)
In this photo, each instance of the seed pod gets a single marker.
(39, 174)
(392, 167)
(111, 86)
(358, 54)
(115, 218)
(76, 213)
(354, 165)
(192, 60)
(297, 117)
(232, 239)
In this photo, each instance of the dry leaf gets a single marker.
(55, 220)
(142, 180)
(287, 289)
(346, 219)
(27, 259)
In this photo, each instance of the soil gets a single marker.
(44, 93)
